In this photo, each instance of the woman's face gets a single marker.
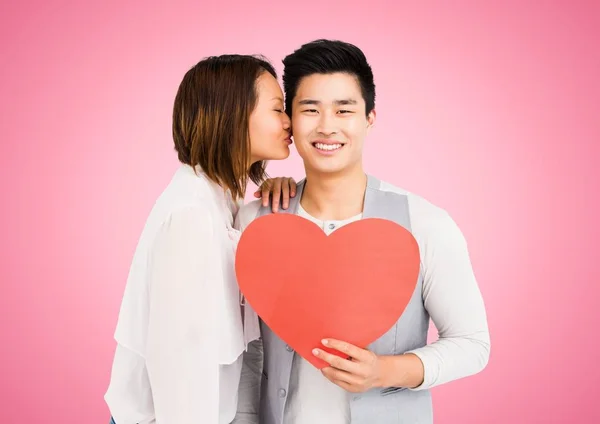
(269, 124)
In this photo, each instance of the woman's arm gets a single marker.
(181, 351)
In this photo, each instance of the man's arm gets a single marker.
(452, 297)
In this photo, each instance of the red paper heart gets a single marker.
(352, 285)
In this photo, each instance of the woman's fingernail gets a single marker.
(324, 341)
(316, 352)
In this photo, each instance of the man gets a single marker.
(330, 96)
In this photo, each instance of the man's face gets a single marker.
(329, 123)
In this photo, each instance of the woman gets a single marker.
(180, 332)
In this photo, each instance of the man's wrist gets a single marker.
(404, 370)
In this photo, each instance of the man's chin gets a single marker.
(325, 170)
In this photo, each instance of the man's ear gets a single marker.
(371, 118)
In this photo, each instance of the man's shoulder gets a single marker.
(418, 204)
(425, 216)
(247, 214)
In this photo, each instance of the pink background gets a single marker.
(489, 110)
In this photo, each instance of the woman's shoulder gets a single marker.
(186, 198)
(247, 214)
(186, 190)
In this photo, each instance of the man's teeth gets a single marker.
(322, 146)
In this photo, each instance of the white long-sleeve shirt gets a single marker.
(179, 334)
(450, 295)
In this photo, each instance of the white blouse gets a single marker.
(180, 333)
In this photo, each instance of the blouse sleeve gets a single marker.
(181, 351)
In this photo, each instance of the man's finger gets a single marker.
(347, 387)
(333, 375)
(293, 187)
(348, 349)
(337, 362)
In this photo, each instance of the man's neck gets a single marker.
(337, 196)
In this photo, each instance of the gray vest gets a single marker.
(377, 406)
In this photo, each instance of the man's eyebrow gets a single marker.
(309, 102)
(336, 102)
(345, 102)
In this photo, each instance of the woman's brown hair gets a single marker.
(211, 119)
